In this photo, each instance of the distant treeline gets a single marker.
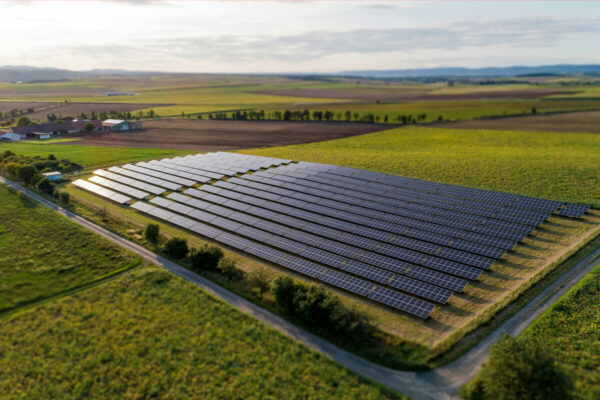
(316, 115)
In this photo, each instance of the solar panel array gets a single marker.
(404, 243)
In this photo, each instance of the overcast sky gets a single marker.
(296, 36)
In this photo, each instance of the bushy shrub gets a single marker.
(64, 197)
(313, 306)
(284, 290)
(206, 258)
(36, 179)
(46, 186)
(152, 233)
(228, 269)
(523, 369)
(26, 173)
(6, 154)
(176, 248)
(261, 278)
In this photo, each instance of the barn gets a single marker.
(116, 125)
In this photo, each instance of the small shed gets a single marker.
(53, 176)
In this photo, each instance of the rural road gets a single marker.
(440, 383)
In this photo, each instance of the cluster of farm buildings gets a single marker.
(48, 129)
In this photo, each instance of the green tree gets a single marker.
(89, 127)
(46, 186)
(522, 369)
(229, 270)
(284, 290)
(24, 121)
(152, 233)
(261, 278)
(26, 173)
(176, 248)
(206, 258)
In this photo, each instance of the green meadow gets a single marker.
(554, 165)
(43, 254)
(571, 329)
(152, 335)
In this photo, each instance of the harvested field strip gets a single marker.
(212, 135)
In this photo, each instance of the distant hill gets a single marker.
(16, 73)
(490, 72)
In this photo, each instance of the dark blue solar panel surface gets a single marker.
(401, 242)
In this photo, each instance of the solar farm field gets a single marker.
(426, 266)
(73, 327)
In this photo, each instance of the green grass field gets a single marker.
(571, 329)
(42, 253)
(88, 156)
(554, 165)
(152, 335)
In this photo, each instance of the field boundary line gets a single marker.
(24, 306)
(442, 382)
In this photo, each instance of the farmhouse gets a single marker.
(53, 176)
(120, 125)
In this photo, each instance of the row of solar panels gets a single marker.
(344, 198)
(395, 195)
(218, 232)
(516, 201)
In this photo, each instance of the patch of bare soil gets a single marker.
(207, 135)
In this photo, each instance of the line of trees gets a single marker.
(102, 115)
(315, 115)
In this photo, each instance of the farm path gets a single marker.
(440, 383)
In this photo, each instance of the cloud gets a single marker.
(516, 33)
